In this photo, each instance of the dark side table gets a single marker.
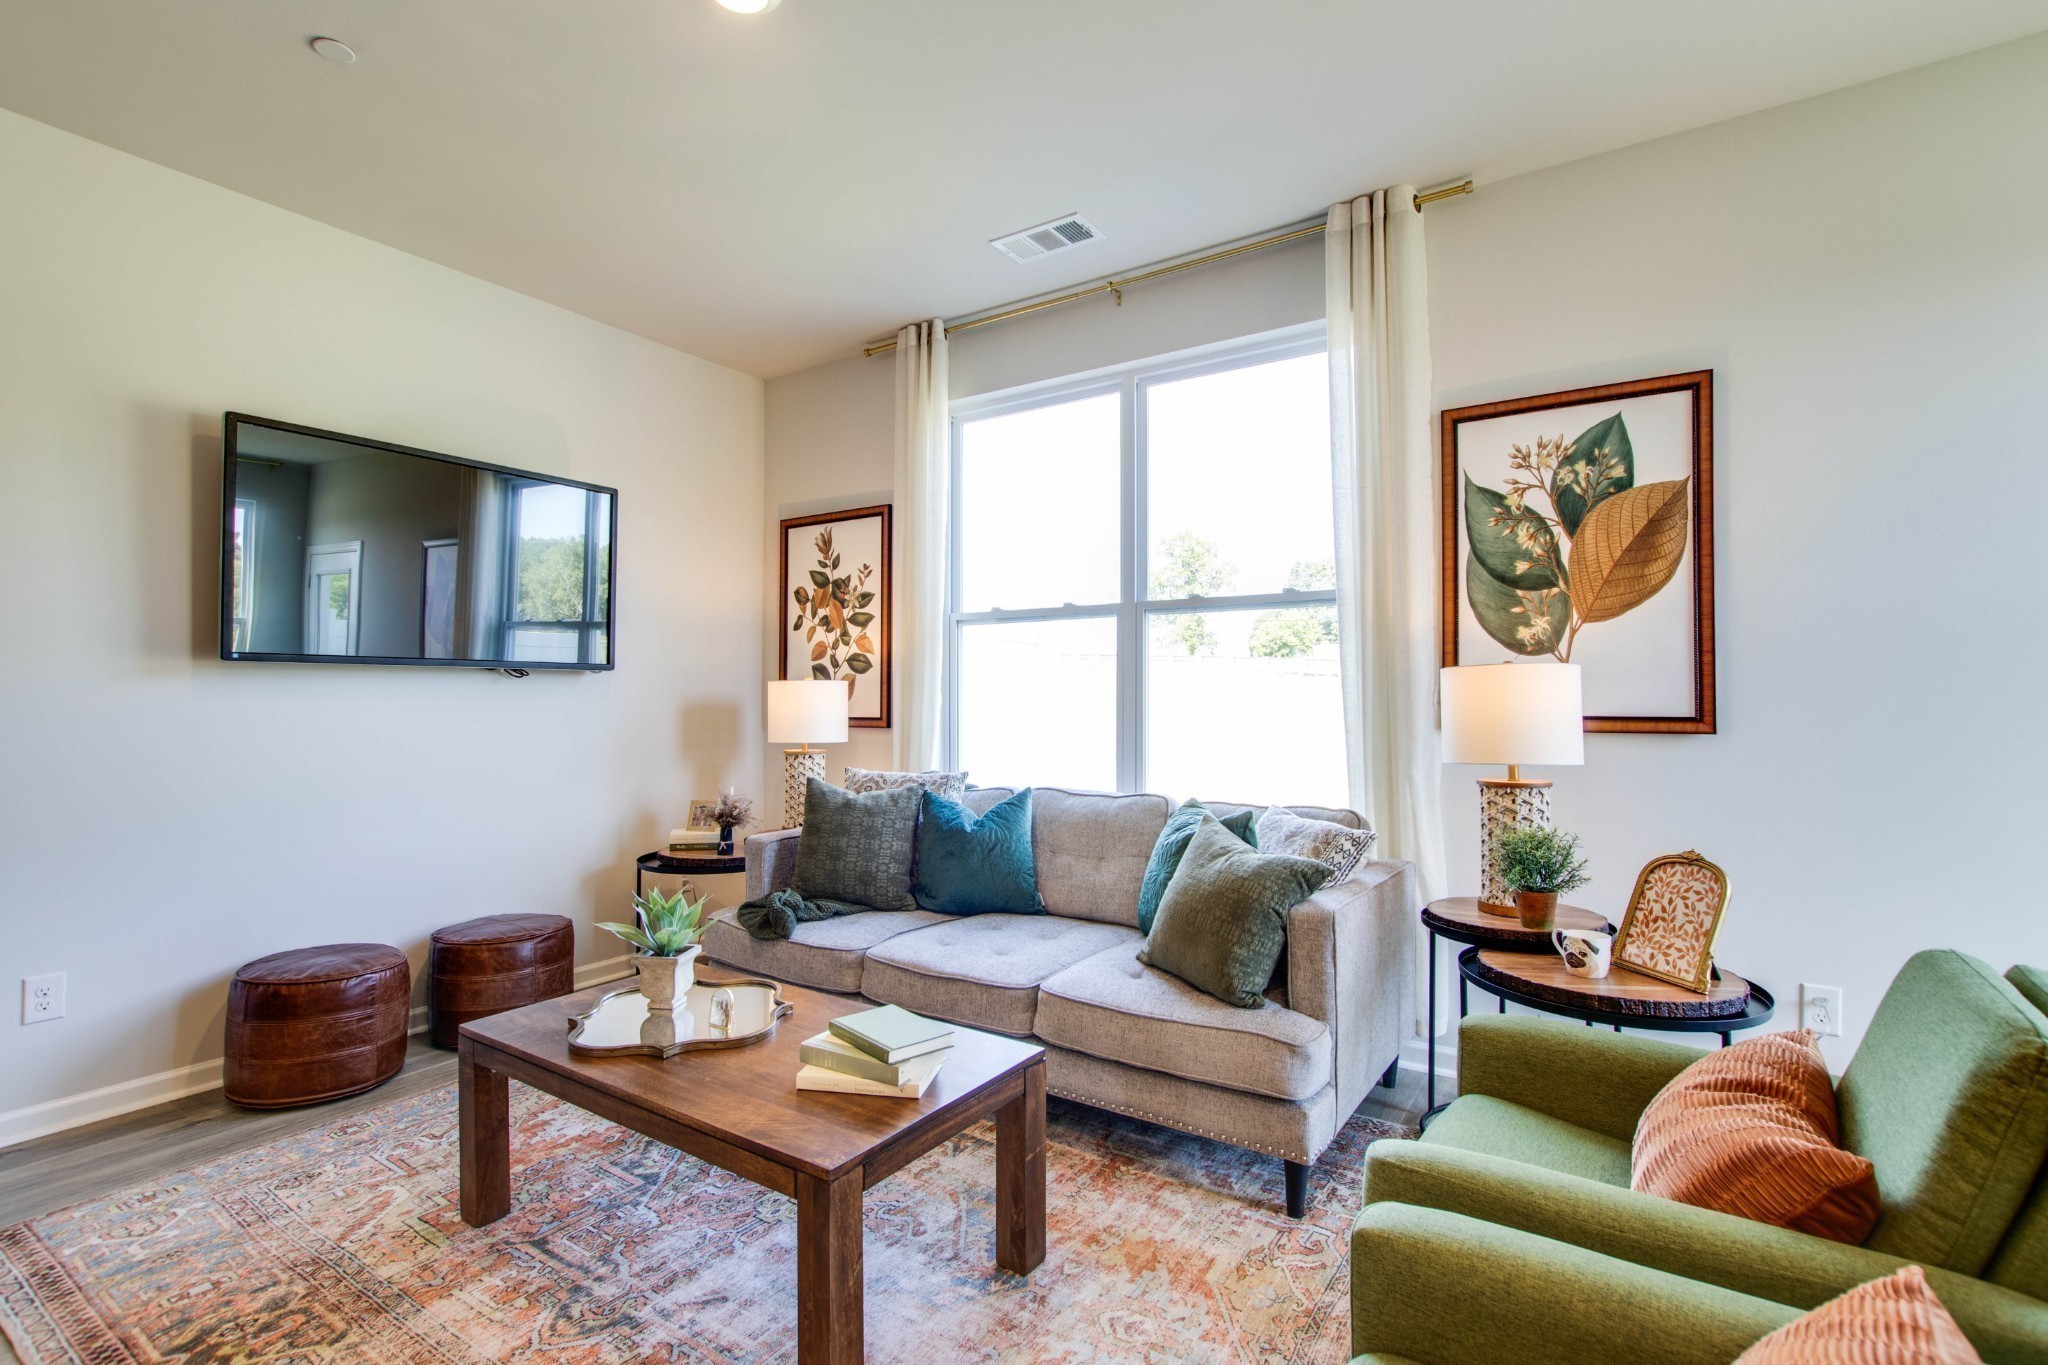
(684, 863)
(1459, 919)
(1621, 998)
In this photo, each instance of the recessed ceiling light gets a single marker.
(334, 50)
(750, 6)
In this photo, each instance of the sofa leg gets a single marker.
(1392, 1074)
(1297, 1189)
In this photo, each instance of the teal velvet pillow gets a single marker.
(976, 865)
(1222, 923)
(1173, 844)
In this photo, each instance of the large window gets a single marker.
(1143, 586)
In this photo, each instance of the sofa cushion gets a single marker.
(1483, 1124)
(981, 800)
(1091, 849)
(969, 864)
(857, 848)
(1339, 847)
(1222, 923)
(1948, 1097)
(2022, 1259)
(983, 971)
(1751, 1130)
(826, 954)
(1172, 845)
(1115, 1007)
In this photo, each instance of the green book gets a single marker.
(836, 1054)
(892, 1034)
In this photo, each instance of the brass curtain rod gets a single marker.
(1117, 287)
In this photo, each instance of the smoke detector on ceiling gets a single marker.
(334, 50)
(1060, 234)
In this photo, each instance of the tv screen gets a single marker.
(338, 549)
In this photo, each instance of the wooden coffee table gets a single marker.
(740, 1109)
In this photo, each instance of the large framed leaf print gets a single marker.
(836, 606)
(1579, 527)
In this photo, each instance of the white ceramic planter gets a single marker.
(662, 979)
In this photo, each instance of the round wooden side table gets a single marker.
(1621, 998)
(685, 863)
(1460, 919)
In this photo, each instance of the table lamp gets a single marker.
(804, 713)
(1512, 714)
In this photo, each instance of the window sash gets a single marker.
(1134, 575)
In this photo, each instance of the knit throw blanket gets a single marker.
(777, 914)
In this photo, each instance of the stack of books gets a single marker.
(885, 1051)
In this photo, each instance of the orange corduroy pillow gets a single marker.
(1892, 1321)
(1751, 1130)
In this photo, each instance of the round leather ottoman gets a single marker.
(315, 1024)
(486, 966)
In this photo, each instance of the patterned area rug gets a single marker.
(344, 1244)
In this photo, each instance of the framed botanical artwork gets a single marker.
(1579, 527)
(836, 606)
(1668, 932)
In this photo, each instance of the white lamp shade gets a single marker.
(1514, 713)
(807, 712)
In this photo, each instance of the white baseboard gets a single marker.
(124, 1097)
(144, 1092)
(1415, 1057)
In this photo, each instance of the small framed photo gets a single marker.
(1668, 932)
(700, 815)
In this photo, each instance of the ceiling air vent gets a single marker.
(1033, 242)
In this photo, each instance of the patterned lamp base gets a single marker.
(1504, 806)
(798, 767)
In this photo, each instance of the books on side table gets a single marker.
(884, 1051)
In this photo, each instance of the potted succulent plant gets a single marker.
(732, 812)
(667, 936)
(1540, 865)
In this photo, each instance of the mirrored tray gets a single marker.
(621, 1025)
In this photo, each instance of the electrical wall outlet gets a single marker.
(1820, 1009)
(42, 997)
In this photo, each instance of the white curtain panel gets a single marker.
(1377, 281)
(923, 468)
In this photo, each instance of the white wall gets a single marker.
(1867, 274)
(165, 816)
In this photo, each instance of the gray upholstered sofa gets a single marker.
(1118, 1034)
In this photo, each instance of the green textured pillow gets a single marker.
(1173, 842)
(857, 847)
(976, 865)
(1222, 923)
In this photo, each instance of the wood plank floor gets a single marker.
(86, 1163)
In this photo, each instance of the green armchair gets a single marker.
(1524, 1179)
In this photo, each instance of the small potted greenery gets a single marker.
(667, 936)
(1539, 865)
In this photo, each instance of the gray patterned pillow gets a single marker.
(1337, 847)
(952, 786)
(857, 847)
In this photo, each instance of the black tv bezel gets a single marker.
(231, 424)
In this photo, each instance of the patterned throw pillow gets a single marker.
(1893, 1321)
(952, 786)
(1172, 844)
(857, 847)
(1752, 1130)
(1222, 923)
(1337, 847)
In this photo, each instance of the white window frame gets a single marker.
(1134, 574)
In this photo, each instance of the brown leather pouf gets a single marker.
(315, 1024)
(486, 966)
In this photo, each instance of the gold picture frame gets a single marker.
(1673, 917)
(700, 815)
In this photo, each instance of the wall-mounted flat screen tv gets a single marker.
(336, 549)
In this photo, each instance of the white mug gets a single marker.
(1585, 952)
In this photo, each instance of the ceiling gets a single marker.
(770, 191)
